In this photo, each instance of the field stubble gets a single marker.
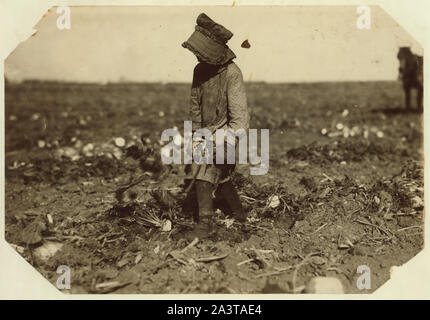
(345, 188)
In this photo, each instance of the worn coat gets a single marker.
(218, 101)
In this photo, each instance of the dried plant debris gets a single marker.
(351, 150)
(345, 188)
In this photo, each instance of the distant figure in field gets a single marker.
(411, 74)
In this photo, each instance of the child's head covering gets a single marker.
(209, 41)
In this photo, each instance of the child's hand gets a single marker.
(196, 142)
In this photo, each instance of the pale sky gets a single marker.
(288, 44)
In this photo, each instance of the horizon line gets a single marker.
(23, 81)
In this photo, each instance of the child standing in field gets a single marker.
(218, 101)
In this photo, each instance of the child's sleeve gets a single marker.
(195, 112)
(238, 115)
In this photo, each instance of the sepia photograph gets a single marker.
(215, 149)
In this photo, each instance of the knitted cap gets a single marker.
(209, 41)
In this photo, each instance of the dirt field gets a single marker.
(345, 188)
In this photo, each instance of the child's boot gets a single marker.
(229, 194)
(204, 191)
